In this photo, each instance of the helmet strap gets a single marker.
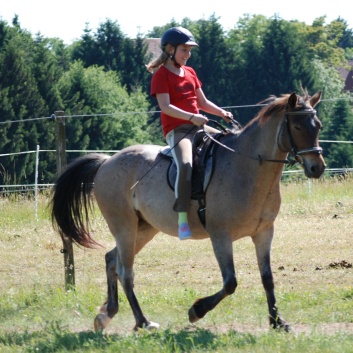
(173, 58)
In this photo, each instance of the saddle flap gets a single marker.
(203, 164)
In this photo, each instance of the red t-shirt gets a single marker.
(182, 93)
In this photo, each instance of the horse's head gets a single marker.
(300, 133)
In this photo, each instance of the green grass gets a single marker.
(54, 338)
(311, 254)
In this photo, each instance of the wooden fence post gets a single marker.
(61, 164)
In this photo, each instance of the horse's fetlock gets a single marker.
(230, 286)
(112, 310)
(199, 309)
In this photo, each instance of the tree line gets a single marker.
(101, 83)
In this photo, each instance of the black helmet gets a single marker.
(178, 35)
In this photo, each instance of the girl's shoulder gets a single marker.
(189, 71)
(161, 72)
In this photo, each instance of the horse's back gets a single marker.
(115, 182)
(124, 168)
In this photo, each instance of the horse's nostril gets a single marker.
(316, 171)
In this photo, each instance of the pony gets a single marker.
(243, 200)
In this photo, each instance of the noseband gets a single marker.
(294, 150)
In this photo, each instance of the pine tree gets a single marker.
(341, 129)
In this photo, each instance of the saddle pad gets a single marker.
(201, 174)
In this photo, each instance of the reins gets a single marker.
(293, 151)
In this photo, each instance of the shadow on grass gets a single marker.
(56, 339)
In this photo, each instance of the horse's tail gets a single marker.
(71, 199)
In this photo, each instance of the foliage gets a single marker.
(93, 91)
(341, 155)
(102, 79)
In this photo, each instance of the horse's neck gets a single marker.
(263, 140)
(256, 145)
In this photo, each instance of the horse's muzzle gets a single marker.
(314, 165)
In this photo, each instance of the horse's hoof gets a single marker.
(149, 325)
(281, 325)
(152, 326)
(192, 315)
(286, 327)
(101, 322)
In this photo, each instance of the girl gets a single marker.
(180, 97)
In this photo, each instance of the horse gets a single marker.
(243, 200)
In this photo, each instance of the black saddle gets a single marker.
(204, 149)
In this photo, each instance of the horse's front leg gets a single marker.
(263, 242)
(110, 308)
(223, 249)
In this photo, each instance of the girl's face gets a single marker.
(183, 54)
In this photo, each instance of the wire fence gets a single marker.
(36, 187)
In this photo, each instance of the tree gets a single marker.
(341, 129)
(135, 74)
(285, 61)
(20, 100)
(327, 80)
(110, 48)
(322, 41)
(211, 60)
(89, 91)
(157, 31)
(246, 44)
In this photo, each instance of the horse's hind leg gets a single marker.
(126, 253)
(111, 307)
(263, 243)
(113, 266)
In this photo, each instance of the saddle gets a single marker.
(204, 149)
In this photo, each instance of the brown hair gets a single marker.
(155, 64)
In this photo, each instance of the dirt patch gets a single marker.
(340, 264)
(326, 329)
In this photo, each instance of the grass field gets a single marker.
(312, 260)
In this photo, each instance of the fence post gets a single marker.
(61, 164)
(36, 185)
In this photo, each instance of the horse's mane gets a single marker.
(276, 105)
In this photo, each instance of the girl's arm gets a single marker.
(171, 110)
(209, 107)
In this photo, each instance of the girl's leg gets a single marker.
(180, 142)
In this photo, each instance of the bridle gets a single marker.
(297, 154)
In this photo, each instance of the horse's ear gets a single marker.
(292, 100)
(315, 99)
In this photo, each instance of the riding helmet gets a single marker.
(178, 35)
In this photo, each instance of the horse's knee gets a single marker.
(230, 285)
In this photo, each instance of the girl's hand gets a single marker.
(227, 116)
(199, 119)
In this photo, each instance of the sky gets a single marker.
(66, 19)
